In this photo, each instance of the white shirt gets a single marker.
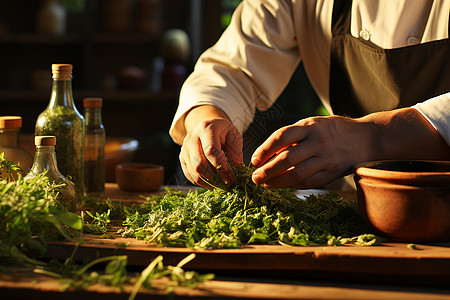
(254, 59)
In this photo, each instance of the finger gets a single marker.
(186, 170)
(233, 150)
(277, 142)
(199, 162)
(212, 149)
(279, 164)
(192, 176)
(299, 175)
(233, 147)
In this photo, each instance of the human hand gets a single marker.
(204, 148)
(310, 153)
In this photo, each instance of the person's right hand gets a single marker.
(202, 154)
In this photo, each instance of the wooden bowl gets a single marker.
(139, 177)
(406, 201)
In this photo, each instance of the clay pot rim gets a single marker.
(399, 186)
(377, 170)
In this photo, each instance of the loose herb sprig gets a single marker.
(95, 223)
(8, 169)
(74, 276)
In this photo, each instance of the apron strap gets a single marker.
(424, 24)
(340, 22)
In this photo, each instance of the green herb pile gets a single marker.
(229, 217)
(32, 215)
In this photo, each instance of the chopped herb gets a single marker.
(412, 246)
(66, 124)
(229, 217)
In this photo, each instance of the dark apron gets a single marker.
(365, 78)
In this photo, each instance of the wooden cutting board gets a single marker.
(428, 264)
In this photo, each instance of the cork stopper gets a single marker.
(92, 102)
(7, 122)
(62, 71)
(45, 140)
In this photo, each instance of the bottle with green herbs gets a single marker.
(10, 142)
(94, 149)
(62, 119)
(45, 161)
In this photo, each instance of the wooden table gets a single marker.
(23, 284)
(391, 271)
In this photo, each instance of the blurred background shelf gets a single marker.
(113, 95)
(103, 40)
(25, 39)
(102, 50)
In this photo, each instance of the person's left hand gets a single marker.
(310, 153)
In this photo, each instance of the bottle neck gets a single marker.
(61, 94)
(45, 160)
(93, 116)
(10, 137)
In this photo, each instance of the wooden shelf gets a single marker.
(125, 39)
(114, 95)
(36, 39)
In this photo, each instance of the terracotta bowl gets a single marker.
(406, 201)
(118, 150)
(139, 177)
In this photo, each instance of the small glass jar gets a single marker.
(45, 162)
(94, 149)
(10, 142)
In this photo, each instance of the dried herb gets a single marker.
(94, 177)
(66, 124)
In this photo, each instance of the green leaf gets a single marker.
(70, 219)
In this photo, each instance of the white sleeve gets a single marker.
(247, 68)
(437, 111)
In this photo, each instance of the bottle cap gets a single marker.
(62, 71)
(10, 122)
(45, 140)
(92, 102)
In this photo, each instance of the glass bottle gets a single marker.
(62, 119)
(94, 149)
(45, 161)
(10, 142)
